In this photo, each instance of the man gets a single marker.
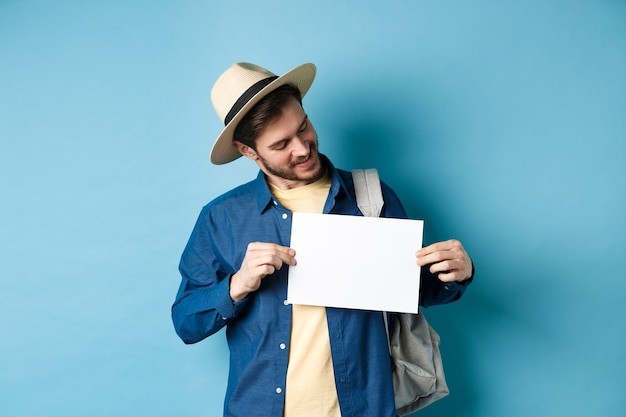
(288, 360)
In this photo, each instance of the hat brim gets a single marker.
(223, 150)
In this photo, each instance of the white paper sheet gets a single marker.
(355, 262)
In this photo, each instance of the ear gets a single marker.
(245, 150)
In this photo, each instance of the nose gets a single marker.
(300, 147)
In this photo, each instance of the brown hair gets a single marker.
(263, 113)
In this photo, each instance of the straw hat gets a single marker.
(238, 89)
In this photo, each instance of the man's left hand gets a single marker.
(446, 259)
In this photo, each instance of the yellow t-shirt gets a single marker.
(310, 388)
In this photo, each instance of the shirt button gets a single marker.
(278, 390)
(286, 302)
(285, 216)
(275, 203)
(283, 346)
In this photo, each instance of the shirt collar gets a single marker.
(264, 195)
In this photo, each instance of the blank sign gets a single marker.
(355, 262)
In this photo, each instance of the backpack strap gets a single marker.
(369, 195)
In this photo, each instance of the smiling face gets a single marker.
(286, 149)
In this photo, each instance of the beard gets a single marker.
(290, 173)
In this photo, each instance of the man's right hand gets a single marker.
(261, 259)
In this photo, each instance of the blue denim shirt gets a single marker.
(258, 327)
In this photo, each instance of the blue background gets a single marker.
(501, 123)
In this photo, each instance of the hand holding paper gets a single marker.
(447, 259)
(261, 260)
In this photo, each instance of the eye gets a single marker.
(304, 126)
(280, 145)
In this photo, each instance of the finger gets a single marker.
(444, 271)
(450, 249)
(439, 246)
(433, 258)
(449, 276)
(444, 266)
(448, 245)
(265, 247)
(270, 253)
(272, 247)
(278, 257)
(286, 255)
(265, 270)
(451, 270)
(427, 259)
(275, 258)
